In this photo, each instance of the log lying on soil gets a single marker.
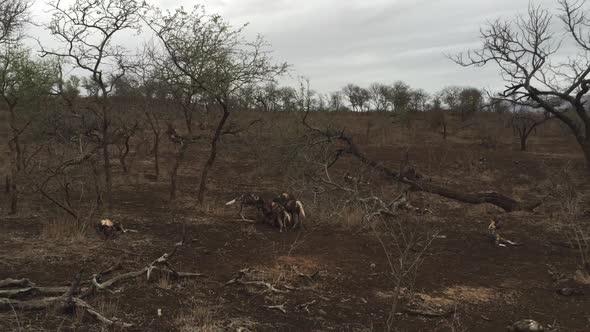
(29, 291)
(504, 202)
(419, 183)
(280, 307)
(15, 283)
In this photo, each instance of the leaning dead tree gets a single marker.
(537, 69)
(216, 59)
(409, 176)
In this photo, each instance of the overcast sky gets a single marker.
(335, 42)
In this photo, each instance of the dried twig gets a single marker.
(305, 306)
(15, 283)
(237, 279)
(280, 307)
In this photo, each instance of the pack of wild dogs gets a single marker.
(284, 211)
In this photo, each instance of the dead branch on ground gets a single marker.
(73, 296)
(237, 279)
(280, 307)
(412, 179)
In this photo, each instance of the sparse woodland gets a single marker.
(456, 210)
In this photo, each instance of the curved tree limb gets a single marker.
(502, 201)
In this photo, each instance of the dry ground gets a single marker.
(488, 286)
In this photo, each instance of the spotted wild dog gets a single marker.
(248, 199)
(108, 228)
(293, 207)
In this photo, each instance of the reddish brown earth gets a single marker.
(491, 286)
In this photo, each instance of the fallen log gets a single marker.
(15, 283)
(32, 291)
(417, 181)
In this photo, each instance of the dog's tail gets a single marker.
(233, 201)
(300, 206)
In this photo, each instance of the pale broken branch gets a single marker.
(305, 306)
(15, 283)
(237, 279)
(29, 291)
(66, 301)
(280, 307)
(113, 321)
(71, 296)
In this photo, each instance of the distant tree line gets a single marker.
(377, 97)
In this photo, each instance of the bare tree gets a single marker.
(357, 97)
(418, 99)
(450, 95)
(527, 51)
(151, 86)
(13, 14)
(470, 101)
(381, 97)
(401, 96)
(86, 29)
(305, 95)
(335, 102)
(287, 98)
(524, 122)
(22, 81)
(217, 60)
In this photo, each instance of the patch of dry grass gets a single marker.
(472, 295)
(64, 230)
(351, 217)
(198, 319)
(164, 282)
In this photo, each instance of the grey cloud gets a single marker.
(337, 42)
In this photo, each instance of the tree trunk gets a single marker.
(15, 161)
(157, 155)
(154, 124)
(96, 177)
(124, 154)
(13, 198)
(106, 158)
(586, 148)
(175, 167)
(13, 192)
(523, 139)
(212, 154)
(15, 147)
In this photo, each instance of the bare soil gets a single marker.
(490, 287)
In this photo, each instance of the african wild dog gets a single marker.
(107, 228)
(276, 215)
(292, 206)
(248, 199)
